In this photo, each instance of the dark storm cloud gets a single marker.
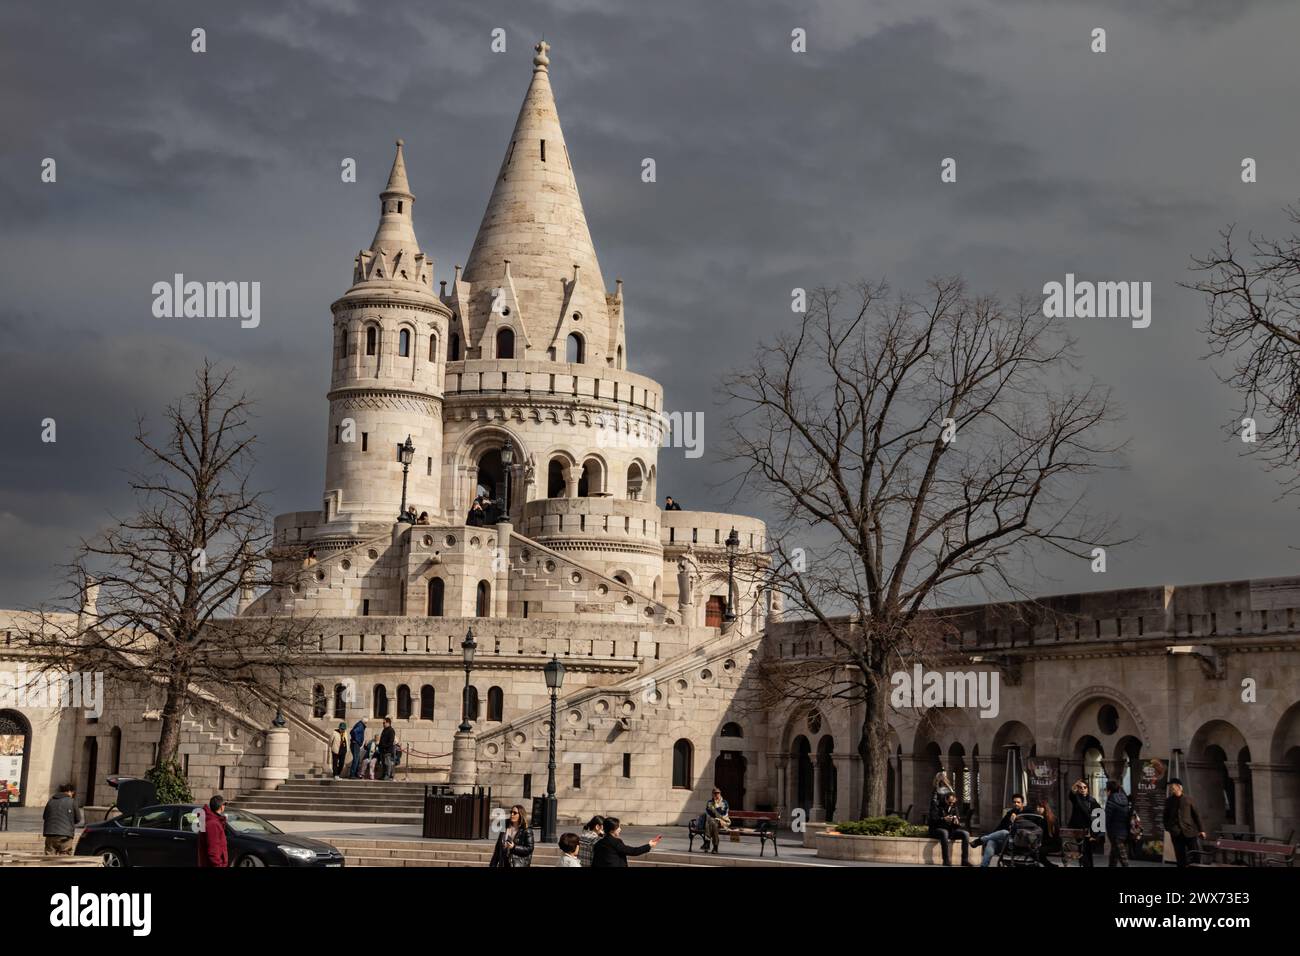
(775, 170)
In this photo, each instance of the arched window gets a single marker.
(115, 756)
(634, 481)
(483, 604)
(426, 702)
(372, 339)
(555, 484)
(620, 356)
(592, 481)
(683, 757)
(471, 702)
(403, 702)
(433, 348)
(496, 703)
(453, 347)
(340, 701)
(381, 701)
(731, 730)
(318, 701)
(437, 588)
(505, 343)
(343, 343)
(575, 352)
(404, 342)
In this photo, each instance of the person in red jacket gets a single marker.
(212, 834)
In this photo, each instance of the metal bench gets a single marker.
(760, 823)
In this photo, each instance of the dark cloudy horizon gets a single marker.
(774, 170)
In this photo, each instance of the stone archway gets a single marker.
(1218, 772)
(483, 442)
(1283, 773)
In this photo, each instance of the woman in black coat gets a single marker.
(514, 843)
(611, 851)
(1081, 810)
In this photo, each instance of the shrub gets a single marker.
(170, 785)
(893, 826)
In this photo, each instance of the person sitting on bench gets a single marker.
(715, 818)
(995, 841)
(945, 824)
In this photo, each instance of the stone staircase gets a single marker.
(425, 853)
(325, 800)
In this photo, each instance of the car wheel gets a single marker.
(250, 859)
(112, 858)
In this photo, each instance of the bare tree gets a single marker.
(913, 451)
(1253, 296)
(158, 590)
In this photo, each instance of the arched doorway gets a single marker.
(729, 777)
(826, 774)
(15, 754)
(491, 475)
(1093, 760)
(801, 757)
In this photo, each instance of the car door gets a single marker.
(183, 846)
(148, 840)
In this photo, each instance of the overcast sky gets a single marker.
(775, 170)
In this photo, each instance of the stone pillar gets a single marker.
(817, 812)
(1269, 783)
(846, 782)
(780, 798)
(464, 762)
(501, 587)
(275, 768)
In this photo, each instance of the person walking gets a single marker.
(569, 843)
(212, 834)
(60, 820)
(610, 850)
(1182, 821)
(514, 843)
(357, 742)
(945, 824)
(590, 836)
(339, 748)
(387, 745)
(1118, 812)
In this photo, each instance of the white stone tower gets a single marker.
(390, 335)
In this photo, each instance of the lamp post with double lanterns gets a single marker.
(733, 545)
(507, 459)
(406, 452)
(467, 649)
(554, 672)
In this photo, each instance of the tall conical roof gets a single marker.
(394, 254)
(535, 222)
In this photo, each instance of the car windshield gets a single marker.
(241, 821)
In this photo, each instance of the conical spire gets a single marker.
(394, 253)
(535, 219)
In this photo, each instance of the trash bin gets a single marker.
(456, 816)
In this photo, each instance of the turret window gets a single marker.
(404, 343)
(543, 150)
(433, 348)
(453, 348)
(574, 352)
(505, 344)
(372, 339)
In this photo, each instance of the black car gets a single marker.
(165, 836)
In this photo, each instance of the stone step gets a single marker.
(334, 816)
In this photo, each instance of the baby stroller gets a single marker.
(1025, 841)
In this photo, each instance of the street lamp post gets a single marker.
(407, 454)
(507, 459)
(467, 648)
(733, 545)
(554, 672)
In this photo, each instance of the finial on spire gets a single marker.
(541, 61)
(397, 178)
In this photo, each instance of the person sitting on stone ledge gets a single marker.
(424, 518)
(995, 841)
(944, 821)
(408, 515)
(671, 505)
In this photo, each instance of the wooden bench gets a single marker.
(1257, 854)
(759, 823)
